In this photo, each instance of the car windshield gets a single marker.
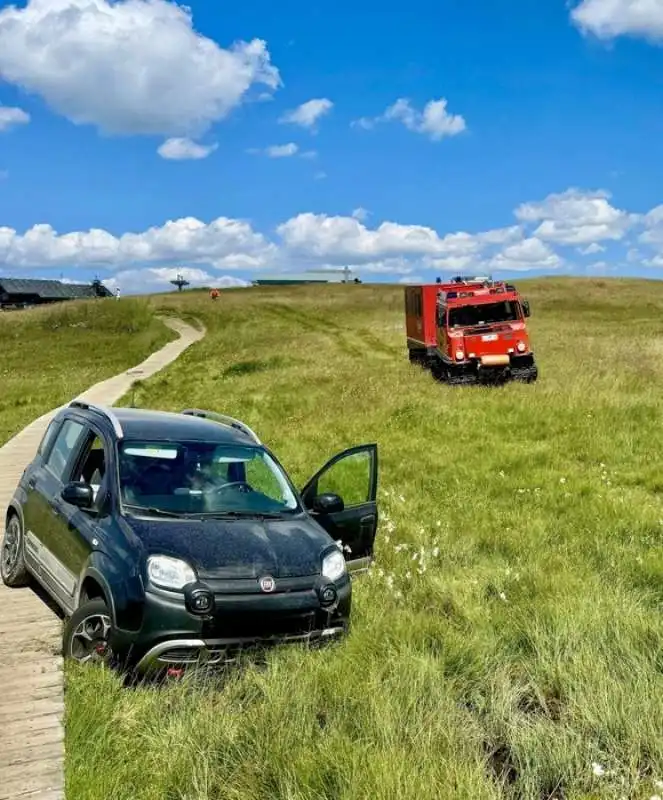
(483, 314)
(181, 478)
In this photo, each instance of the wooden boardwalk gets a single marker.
(31, 685)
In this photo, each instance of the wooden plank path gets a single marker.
(31, 678)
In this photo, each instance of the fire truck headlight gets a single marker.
(521, 347)
(460, 355)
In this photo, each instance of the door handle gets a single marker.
(366, 523)
(31, 483)
(55, 509)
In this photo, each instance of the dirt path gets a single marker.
(31, 686)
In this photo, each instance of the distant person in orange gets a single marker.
(214, 294)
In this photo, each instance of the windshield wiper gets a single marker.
(241, 515)
(157, 512)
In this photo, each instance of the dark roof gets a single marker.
(49, 290)
(150, 425)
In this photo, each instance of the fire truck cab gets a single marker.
(470, 330)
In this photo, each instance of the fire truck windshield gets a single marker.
(483, 314)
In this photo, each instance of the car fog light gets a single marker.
(521, 347)
(460, 355)
(199, 599)
(328, 595)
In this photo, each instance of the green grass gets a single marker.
(51, 354)
(509, 635)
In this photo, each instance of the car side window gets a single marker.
(67, 439)
(48, 437)
(349, 478)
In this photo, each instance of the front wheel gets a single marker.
(12, 563)
(87, 633)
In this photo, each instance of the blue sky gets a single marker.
(522, 138)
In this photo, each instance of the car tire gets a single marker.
(87, 633)
(12, 561)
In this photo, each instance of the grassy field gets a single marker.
(51, 354)
(507, 642)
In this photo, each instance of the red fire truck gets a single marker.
(470, 330)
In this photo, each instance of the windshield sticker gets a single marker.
(152, 452)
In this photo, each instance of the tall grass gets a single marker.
(507, 643)
(51, 354)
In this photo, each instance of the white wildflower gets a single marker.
(597, 769)
(562, 480)
(436, 552)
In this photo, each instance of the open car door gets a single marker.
(342, 498)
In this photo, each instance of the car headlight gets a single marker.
(333, 565)
(521, 346)
(169, 573)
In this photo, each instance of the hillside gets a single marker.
(509, 636)
(51, 354)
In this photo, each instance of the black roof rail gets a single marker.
(103, 411)
(224, 419)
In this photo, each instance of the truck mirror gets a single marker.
(526, 308)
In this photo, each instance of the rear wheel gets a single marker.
(87, 633)
(12, 563)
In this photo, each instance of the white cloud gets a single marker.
(309, 240)
(131, 66)
(282, 150)
(343, 238)
(276, 150)
(591, 249)
(529, 254)
(434, 121)
(575, 218)
(180, 149)
(608, 19)
(412, 279)
(320, 175)
(11, 117)
(307, 114)
(224, 242)
(155, 279)
(653, 222)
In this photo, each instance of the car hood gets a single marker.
(237, 549)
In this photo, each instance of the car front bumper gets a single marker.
(171, 636)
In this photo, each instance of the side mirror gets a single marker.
(526, 308)
(328, 503)
(78, 494)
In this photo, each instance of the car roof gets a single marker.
(152, 425)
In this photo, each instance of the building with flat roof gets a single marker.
(343, 275)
